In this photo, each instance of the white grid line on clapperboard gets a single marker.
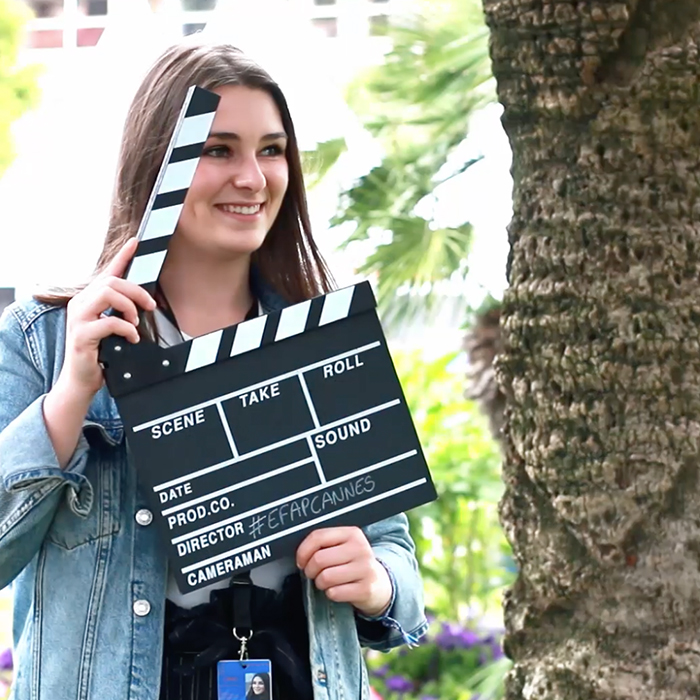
(317, 461)
(253, 387)
(309, 402)
(227, 430)
(236, 487)
(274, 446)
(301, 526)
(268, 448)
(306, 492)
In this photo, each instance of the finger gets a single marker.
(93, 332)
(118, 264)
(133, 291)
(340, 575)
(104, 298)
(347, 592)
(320, 539)
(331, 556)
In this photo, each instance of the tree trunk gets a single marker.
(601, 362)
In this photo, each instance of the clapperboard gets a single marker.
(248, 438)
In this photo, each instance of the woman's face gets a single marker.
(258, 686)
(241, 179)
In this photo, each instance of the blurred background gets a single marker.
(407, 168)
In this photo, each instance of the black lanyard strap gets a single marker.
(241, 621)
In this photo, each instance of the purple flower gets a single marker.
(497, 651)
(453, 636)
(446, 638)
(399, 684)
(381, 671)
(6, 660)
(467, 639)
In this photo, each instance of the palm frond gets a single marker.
(418, 104)
(318, 162)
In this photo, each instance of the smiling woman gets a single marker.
(232, 204)
(242, 246)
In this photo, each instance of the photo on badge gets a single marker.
(244, 680)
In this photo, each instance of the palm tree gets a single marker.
(418, 104)
(601, 359)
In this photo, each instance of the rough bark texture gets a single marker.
(601, 362)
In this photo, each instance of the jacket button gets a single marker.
(142, 608)
(144, 517)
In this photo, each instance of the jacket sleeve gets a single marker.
(404, 621)
(32, 484)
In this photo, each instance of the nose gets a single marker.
(247, 174)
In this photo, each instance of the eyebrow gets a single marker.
(231, 136)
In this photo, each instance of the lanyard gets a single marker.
(242, 588)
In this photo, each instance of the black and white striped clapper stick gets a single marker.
(272, 328)
(134, 368)
(174, 179)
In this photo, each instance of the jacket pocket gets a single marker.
(69, 530)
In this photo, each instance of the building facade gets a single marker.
(80, 23)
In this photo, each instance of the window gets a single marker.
(46, 8)
(89, 36)
(7, 296)
(198, 5)
(378, 25)
(45, 39)
(95, 8)
(188, 29)
(328, 25)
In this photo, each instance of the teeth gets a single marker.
(232, 209)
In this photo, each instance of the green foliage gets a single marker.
(18, 89)
(318, 162)
(418, 104)
(464, 557)
(460, 545)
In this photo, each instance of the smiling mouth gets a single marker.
(248, 210)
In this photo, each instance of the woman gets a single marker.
(96, 614)
(259, 687)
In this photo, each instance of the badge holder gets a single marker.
(244, 679)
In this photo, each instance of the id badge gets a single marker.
(250, 679)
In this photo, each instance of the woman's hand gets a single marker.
(341, 562)
(66, 405)
(86, 324)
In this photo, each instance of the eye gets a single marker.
(274, 149)
(217, 151)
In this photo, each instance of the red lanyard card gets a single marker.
(249, 679)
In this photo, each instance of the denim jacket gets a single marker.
(88, 571)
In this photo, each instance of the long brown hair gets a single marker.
(288, 260)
